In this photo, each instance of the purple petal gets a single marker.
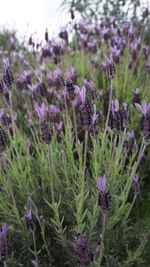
(116, 103)
(6, 63)
(40, 110)
(139, 107)
(136, 178)
(29, 215)
(125, 105)
(5, 229)
(1, 112)
(35, 264)
(81, 93)
(54, 108)
(94, 117)
(145, 107)
(59, 125)
(137, 91)
(102, 183)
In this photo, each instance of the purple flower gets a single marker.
(6, 63)
(110, 67)
(57, 73)
(104, 196)
(33, 87)
(131, 135)
(144, 108)
(82, 251)
(71, 75)
(1, 189)
(29, 215)
(115, 105)
(35, 263)
(26, 74)
(102, 183)
(40, 110)
(30, 221)
(134, 46)
(131, 31)
(145, 50)
(88, 85)
(1, 112)
(136, 178)
(94, 118)
(54, 109)
(64, 34)
(3, 243)
(83, 27)
(5, 230)
(92, 46)
(59, 125)
(81, 92)
(105, 32)
(136, 91)
(125, 106)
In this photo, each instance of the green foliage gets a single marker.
(94, 10)
(62, 178)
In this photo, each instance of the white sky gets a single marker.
(30, 16)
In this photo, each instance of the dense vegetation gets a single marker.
(74, 143)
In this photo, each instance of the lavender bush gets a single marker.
(74, 148)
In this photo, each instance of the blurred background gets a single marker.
(34, 16)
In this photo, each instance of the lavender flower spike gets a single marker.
(144, 108)
(104, 196)
(102, 183)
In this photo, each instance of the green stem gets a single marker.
(109, 107)
(112, 157)
(51, 174)
(75, 127)
(95, 144)
(85, 152)
(102, 238)
(34, 243)
(142, 149)
(43, 236)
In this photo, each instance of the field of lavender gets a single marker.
(74, 148)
